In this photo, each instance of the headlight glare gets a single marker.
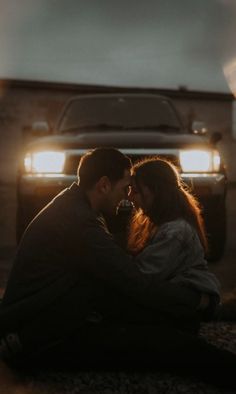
(216, 161)
(199, 161)
(47, 162)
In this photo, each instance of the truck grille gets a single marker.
(72, 161)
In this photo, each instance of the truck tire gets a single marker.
(216, 228)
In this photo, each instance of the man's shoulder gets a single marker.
(73, 197)
(69, 206)
(72, 192)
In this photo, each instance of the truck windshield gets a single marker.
(119, 113)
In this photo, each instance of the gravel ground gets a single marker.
(220, 333)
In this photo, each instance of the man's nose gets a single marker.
(127, 193)
(130, 196)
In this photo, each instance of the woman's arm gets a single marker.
(165, 254)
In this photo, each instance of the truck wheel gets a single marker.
(216, 225)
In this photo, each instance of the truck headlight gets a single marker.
(199, 160)
(47, 162)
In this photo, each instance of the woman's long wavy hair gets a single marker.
(172, 200)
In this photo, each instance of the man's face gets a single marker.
(117, 192)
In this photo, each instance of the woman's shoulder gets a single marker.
(178, 228)
(176, 225)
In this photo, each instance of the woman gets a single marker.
(167, 233)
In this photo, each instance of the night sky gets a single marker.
(156, 43)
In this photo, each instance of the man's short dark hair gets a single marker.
(101, 162)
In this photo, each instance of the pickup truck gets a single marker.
(138, 124)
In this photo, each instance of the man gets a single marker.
(72, 290)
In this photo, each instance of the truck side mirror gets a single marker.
(199, 127)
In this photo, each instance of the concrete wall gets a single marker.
(22, 103)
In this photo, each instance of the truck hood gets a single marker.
(134, 140)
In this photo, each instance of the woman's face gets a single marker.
(141, 196)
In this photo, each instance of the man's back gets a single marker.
(50, 258)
